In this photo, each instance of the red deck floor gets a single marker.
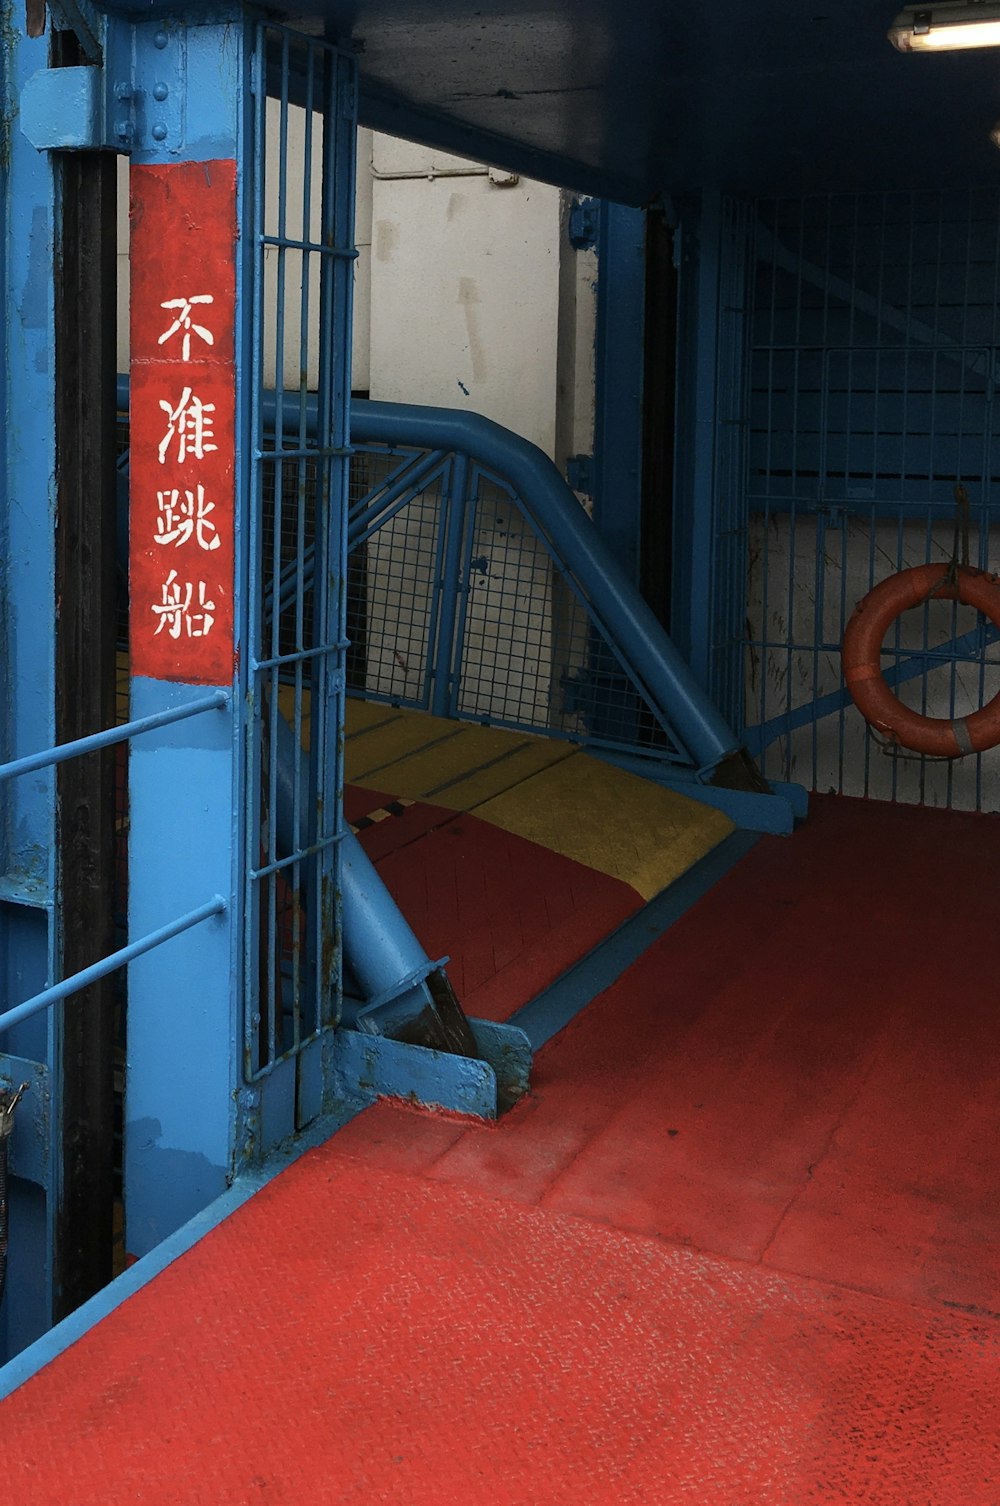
(510, 915)
(741, 1245)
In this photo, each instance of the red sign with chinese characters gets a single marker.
(183, 421)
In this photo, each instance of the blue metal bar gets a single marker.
(110, 964)
(218, 701)
(379, 945)
(620, 359)
(695, 520)
(395, 497)
(312, 247)
(758, 738)
(444, 651)
(414, 479)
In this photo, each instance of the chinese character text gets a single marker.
(183, 323)
(180, 611)
(183, 513)
(191, 423)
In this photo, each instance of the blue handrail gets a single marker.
(674, 692)
(629, 623)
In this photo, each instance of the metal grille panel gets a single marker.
(465, 610)
(303, 199)
(873, 362)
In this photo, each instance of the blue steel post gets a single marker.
(446, 671)
(191, 86)
(620, 356)
(696, 480)
(28, 920)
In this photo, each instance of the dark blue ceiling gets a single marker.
(635, 97)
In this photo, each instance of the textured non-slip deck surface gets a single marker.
(741, 1247)
(512, 855)
(353, 1335)
(803, 1072)
(546, 791)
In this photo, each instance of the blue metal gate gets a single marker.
(303, 209)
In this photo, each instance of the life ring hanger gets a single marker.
(862, 647)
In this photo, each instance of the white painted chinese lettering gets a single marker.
(191, 423)
(184, 323)
(175, 611)
(181, 514)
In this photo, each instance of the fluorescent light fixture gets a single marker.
(947, 27)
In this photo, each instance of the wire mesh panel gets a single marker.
(396, 511)
(464, 609)
(508, 673)
(302, 204)
(873, 364)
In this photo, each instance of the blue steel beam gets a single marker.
(379, 946)
(629, 623)
(969, 645)
(620, 362)
(29, 935)
(189, 101)
(697, 400)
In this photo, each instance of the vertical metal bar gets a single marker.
(187, 809)
(435, 589)
(28, 846)
(695, 521)
(258, 183)
(662, 286)
(86, 408)
(448, 647)
(766, 486)
(619, 350)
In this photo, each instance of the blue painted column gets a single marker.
(697, 416)
(28, 918)
(620, 359)
(190, 92)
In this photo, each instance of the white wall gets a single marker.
(464, 288)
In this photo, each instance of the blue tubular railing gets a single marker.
(629, 624)
(111, 963)
(98, 740)
(78, 748)
(635, 636)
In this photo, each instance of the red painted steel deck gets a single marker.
(510, 915)
(742, 1244)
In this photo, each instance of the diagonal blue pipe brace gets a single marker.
(380, 949)
(545, 496)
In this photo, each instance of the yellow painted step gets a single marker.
(610, 820)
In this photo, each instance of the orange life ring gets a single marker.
(862, 648)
